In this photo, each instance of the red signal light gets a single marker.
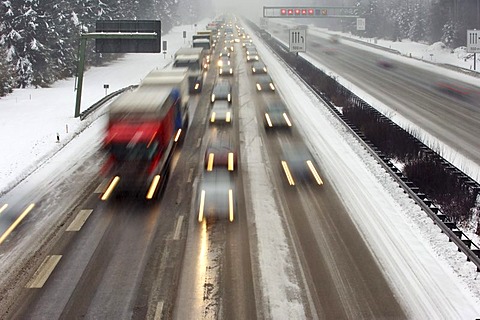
(310, 11)
(290, 11)
(297, 11)
(283, 12)
(304, 12)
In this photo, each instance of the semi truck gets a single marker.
(143, 129)
(195, 61)
(204, 40)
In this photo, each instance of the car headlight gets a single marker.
(259, 87)
(213, 97)
(272, 86)
(253, 70)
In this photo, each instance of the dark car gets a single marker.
(222, 91)
(221, 153)
(276, 115)
(221, 113)
(252, 55)
(216, 197)
(298, 164)
(223, 61)
(225, 71)
(259, 67)
(264, 83)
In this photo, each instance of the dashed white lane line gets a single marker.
(158, 311)
(178, 228)
(79, 220)
(190, 175)
(44, 271)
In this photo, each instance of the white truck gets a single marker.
(194, 60)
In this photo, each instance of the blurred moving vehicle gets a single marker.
(276, 115)
(223, 61)
(385, 63)
(221, 113)
(298, 164)
(222, 90)
(457, 90)
(334, 38)
(259, 67)
(225, 71)
(252, 55)
(216, 197)
(264, 83)
(143, 129)
(225, 52)
(221, 153)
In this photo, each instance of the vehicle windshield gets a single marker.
(192, 65)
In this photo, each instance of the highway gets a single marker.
(407, 90)
(130, 258)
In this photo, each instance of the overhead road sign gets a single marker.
(473, 41)
(298, 40)
(132, 45)
(309, 12)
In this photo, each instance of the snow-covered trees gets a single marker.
(39, 38)
(418, 20)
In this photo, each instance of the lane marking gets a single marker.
(198, 142)
(44, 271)
(16, 223)
(79, 220)
(190, 175)
(3, 208)
(158, 311)
(102, 186)
(178, 228)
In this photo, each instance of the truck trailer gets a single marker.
(195, 61)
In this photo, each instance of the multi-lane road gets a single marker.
(124, 258)
(412, 92)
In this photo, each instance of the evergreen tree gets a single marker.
(7, 74)
(449, 33)
(418, 23)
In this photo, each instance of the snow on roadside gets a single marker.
(30, 119)
(279, 286)
(430, 276)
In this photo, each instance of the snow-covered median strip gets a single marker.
(278, 282)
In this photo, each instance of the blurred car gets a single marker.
(259, 67)
(264, 83)
(221, 153)
(247, 42)
(298, 164)
(330, 51)
(224, 53)
(334, 38)
(456, 90)
(222, 90)
(221, 113)
(276, 115)
(252, 55)
(225, 71)
(385, 63)
(223, 61)
(216, 197)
